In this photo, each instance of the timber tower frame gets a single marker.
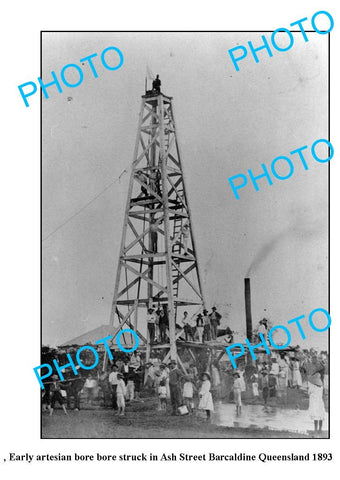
(158, 263)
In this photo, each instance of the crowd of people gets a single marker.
(268, 381)
(123, 382)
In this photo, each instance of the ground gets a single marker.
(142, 420)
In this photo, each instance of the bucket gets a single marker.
(183, 410)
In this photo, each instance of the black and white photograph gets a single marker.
(169, 266)
(185, 257)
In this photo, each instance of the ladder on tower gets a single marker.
(166, 139)
(176, 250)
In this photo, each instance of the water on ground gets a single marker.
(258, 416)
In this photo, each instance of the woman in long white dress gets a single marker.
(237, 389)
(316, 406)
(297, 380)
(242, 381)
(165, 376)
(206, 402)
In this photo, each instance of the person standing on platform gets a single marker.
(187, 328)
(263, 328)
(207, 326)
(156, 85)
(151, 320)
(154, 235)
(163, 323)
(200, 327)
(215, 320)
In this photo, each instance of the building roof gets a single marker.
(93, 336)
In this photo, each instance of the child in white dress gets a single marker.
(162, 395)
(121, 392)
(237, 389)
(206, 402)
(188, 393)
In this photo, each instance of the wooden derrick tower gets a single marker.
(158, 263)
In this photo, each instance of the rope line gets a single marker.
(83, 207)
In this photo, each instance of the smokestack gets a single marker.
(247, 297)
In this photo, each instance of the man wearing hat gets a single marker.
(215, 320)
(263, 328)
(138, 382)
(130, 384)
(207, 326)
(175, 377)
(200, 327)
(56, 395)
(113, 381)
(151, 321)
(149, 376)
(187, 327)
(75, 386)
(163, 322)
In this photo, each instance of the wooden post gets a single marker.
(168, 246)
(126, 219)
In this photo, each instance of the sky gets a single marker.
(227, 122)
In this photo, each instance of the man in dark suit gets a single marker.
(156, 85)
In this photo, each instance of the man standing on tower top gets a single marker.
(156, 85)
